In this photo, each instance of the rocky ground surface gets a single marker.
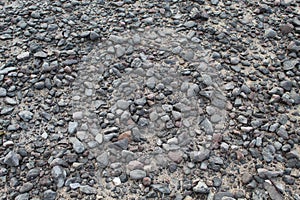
(150, 99)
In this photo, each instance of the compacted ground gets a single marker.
(150, 99)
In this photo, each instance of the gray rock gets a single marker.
(3, 92)
(94, 36)
(49, 195)
(77, 145)
(123, 104)
(137, 174)
(214, 2)
(207, 126)
(282, 132)
(103, 160)
(40, 54)
(24, 196)
(26, 115)
(289, 64)
(162, 188)
(274, 194)
(199, 156)
(264, 173)
(201, 187)
(270, 33)
(7, 70)
(23, 56)
(268, 153)
(59, 175)
(33, 173)
(10, 101)
(26, 187)
(72, 128)
(12, 159)
(86, 189)
(120, 50)
(151, 82)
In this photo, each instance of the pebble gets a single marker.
(49, 195)
(199, 156)
(201, 188)
(59, 175)
(77, 145)
(86, 189)
(12, 159)
(26, 115)
(137, 174)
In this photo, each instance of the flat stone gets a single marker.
(23, 56)
(86, 189)
(137, 174)
(40, 54)
(162, 188)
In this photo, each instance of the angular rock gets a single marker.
(12, 159)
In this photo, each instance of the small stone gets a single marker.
(123, 104)
(137, 174)
(12, 159)
(103, 160)
(99, 138)
(270, 33)
(86, 189)
(33, 173)
(214, 2)
(59, 175)
(120, 50)
(26, 115)
(117, 181)
(77, 145)
(40, 54)
(199, 156)
(10, 101)
(49, 195)
(282, 132)
(176, 156)
(274, 194)
(94, 36)
(286, 28)
(72, 128)
(3, 92)
(289, 64)
(26, 187)
(147, 181)
(23, 56)
(162, 188)
(201, 187)
(207, 126)
(24, 196)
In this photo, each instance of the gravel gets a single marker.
(149, 100)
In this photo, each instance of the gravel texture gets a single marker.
(131, 99)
